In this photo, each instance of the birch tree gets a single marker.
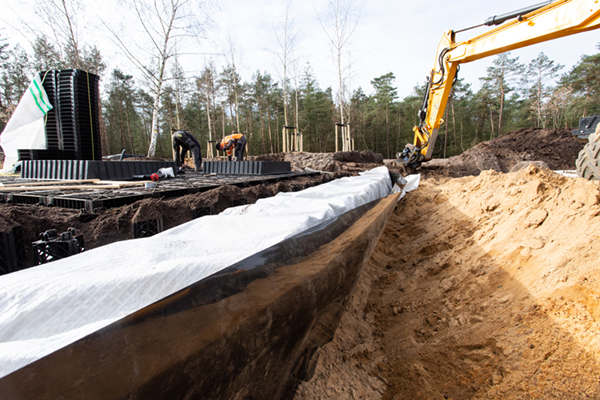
(339, 25)
(286, 37)
(61, 17)
(163, 23)
(235, 83)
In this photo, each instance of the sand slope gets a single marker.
(480, 287)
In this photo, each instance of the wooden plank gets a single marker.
(98, 184)
(27, 184)
(66, 187)
(123, 183)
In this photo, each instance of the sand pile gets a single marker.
(480, 287)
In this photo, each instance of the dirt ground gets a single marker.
(481, 287)
(484, 285)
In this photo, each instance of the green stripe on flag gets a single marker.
(36, 100)
(41, 95)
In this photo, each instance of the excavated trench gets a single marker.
(483, 284)
(481, 287)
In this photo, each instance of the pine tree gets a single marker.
(499, 80)
(45, 56)
(15, 79)
(123, 125)
(584, 80)
(540, 72)
(385, 94)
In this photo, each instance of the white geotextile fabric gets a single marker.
(568, 173)
(45, 308)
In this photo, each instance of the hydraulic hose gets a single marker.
(498, 19)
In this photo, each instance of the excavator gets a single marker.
(530, 25)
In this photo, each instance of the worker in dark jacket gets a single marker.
(235, 142)
(184, 141)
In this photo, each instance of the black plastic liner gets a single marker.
(246, 167)
(248, 332)
(12, 250)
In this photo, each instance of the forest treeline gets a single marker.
(217, 102)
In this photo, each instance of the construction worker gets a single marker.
(186, 142)
(234, 143)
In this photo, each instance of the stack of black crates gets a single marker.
(73, 124)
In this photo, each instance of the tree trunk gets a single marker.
(387, 129)
(209, 150)
(154, 134)
(501, 111)
(223, 120)
(158, 86)
(129, 130)
(103, 135)
(445, 139)
(262, 128)
(297, 138)
(121, 128)
(491, 124)
(453, 121)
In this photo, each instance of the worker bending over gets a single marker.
(233, 143)
(186, 141)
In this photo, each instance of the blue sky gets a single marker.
(391, 36)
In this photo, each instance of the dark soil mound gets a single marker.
(269, 157)
(365, 157)
(556, 147)
(116, 224)
(330, 162)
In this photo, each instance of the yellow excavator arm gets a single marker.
(535, 24)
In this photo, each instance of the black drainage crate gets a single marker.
(151, 227)
(12, 251)
(53, 246)
(239, 202)
(202, 211)
(246, 167)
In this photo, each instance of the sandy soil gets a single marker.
(481, 287)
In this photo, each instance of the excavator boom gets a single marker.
(535, 24)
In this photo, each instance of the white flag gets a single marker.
(25, 129)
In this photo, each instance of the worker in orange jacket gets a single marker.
(234, 143)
